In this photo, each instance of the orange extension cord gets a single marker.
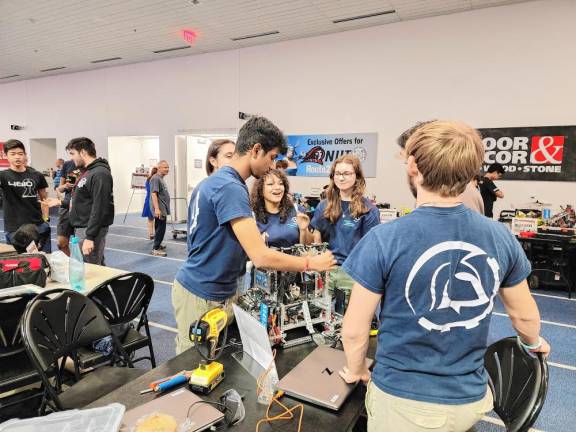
(287, 414)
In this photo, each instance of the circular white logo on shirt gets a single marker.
(479, 300)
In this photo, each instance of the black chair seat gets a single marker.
(96, 384)
(133, 341)
(17, 371)
(124, 299)
(54, 325)
(519, 383)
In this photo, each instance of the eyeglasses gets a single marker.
(344, 175)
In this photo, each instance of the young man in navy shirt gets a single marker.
(222, 232)
(437, 272)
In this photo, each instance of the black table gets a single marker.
(553, 262)
(315, 418)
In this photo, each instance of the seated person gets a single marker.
(436, 273)
(281, 222)
(25, 235)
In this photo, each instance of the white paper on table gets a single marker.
(254, 337)
(20, 289)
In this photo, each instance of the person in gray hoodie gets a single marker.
(92, 201)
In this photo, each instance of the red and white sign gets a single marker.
(3, 159)
(547, 149)
(532, 153)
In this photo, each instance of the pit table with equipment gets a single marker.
(315, 418)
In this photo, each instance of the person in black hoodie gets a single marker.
(92, 201)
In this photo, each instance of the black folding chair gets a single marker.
(16, 369)
(55, 324)
(123, 299)
(519, 383)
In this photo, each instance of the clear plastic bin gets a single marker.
(105, 419)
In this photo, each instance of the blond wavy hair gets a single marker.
(448, 154)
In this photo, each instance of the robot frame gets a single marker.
(288, 302)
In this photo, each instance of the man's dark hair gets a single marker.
(23, 236)
(403, 139)
(82, 143)
(13, 144)
(496, 167)
(263, 131)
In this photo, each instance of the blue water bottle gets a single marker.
(76, 265)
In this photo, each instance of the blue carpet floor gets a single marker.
(128, 248)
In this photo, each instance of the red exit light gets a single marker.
(189, 36)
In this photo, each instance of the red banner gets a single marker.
(3, 159)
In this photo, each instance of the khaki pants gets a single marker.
(338, 278)
(387, 413)
(188, 308)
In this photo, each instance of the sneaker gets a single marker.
(163, 247)
(159, 252)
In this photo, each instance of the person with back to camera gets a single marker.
(222, 232)
(471, 196)
(219, 154)
(437, 272)
(279, 219)
(146, 210)
(344, 217)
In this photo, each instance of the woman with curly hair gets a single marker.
(344, 217)
(279, 220)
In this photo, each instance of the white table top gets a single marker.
(94, 276)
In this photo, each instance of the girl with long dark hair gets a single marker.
(279, 220)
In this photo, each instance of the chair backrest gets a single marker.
(123, 298)
(57, 322)
(11, 311)
(519, 383)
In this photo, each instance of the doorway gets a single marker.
(190, 164)
(42, 158)
(128, 155)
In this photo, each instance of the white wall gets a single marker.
(42, 155)
(125, 154)
(498, 67)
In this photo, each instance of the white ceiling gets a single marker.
(43, 34)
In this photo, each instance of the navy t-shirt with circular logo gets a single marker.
(439, 271)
